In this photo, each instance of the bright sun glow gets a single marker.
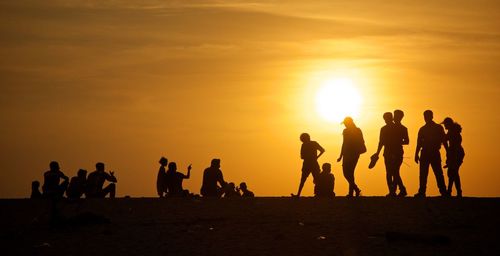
(338, 98)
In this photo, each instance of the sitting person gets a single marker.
(325, 182)
(245, 191)
(52, 185)
(35, 190)
(230, 190)
(211, 176)
(161, 186)
(174, 180)
(95, 183)
(76, 187)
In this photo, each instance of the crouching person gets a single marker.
(95, 183)
(325, 182)
(77, 185)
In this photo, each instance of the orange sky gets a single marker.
(89, 81)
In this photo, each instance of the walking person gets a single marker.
(309, 153)
(392, 139)
(403, 139)
(455, 154)
(430, 138)
(353, 146)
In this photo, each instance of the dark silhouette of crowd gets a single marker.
(393, 137)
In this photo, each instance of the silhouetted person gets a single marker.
(95, 183)
(309, 153)
(77, 185)
(230, 190)
(391, 139)
(35, 190)
(174, 180)
(244, 190)
(52, 185)
(213, 181)
(353, 146)
(430, 138)
(402, 132)
(161, 185)
(325, 182)
(455, 154)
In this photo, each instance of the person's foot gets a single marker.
(358, 192)
(348, 195)
(402, 193)
(294, 196)
(459, 194)
(419, 194)
(392, 194)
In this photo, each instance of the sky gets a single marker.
(126, 82)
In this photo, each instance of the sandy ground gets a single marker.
(260, 226)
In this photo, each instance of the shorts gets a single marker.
(310, 167)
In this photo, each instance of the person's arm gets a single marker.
(419, 146)
(406, 139)
(320, 149)
(220, 179)
(63, 176)
(111, 177)
(189, 173)
(444, 139)
(342, 148)
(380, 142)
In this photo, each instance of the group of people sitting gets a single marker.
(169, 182)
(56, 184)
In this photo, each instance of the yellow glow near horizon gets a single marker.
(338, 98)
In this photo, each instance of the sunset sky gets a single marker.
(126, 82)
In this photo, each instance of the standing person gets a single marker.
(161, 186)
(95, 183)
(309, 153)
(353, 146)
(455, 155)
(174, 180)
(403, 139)
(392, 139)
(325, 183)
(52, 185)
(77, 185)
(430, 138)
(213, 180)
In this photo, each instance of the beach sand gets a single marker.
(259, 226)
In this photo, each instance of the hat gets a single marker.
(447, 120)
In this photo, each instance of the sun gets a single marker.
(338, 98)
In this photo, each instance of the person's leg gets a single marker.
(303, 179)
(351, 162)
(451, 179)
(110, 189)
(398, 182)
(356, 188)
(438, 173)
(62, 188)
(458, 185)
(389, 175)
(346, 166)
(424, 172)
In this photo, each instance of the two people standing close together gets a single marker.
(392, 138)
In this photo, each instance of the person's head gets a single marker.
(163, 161)
(428, 116)
(398, 115)
(388, 117)
(82, 173)
(54, 166)
(230, 186)
(348, 122)
(327, 167)
(35, 185)
(448, 123)
(99, 167)
(243, 186)
(215, 163)
(172, 166)
(304, 137)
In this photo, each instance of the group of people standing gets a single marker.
(393, 136)
(56, 184)
(169, 182)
